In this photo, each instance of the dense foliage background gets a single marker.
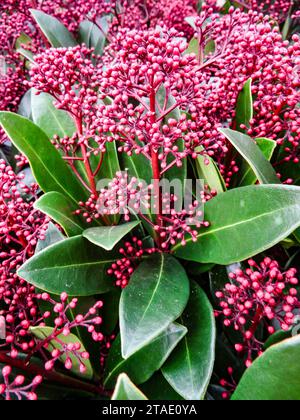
(113, 289)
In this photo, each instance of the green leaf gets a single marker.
(74, 266)
(253, 155)
(126, 390)
(107, 237)
(273, 376)
(141, 365)
(48, 167)
(110, 166)
(44, 332)
(23, 39)
(27, 54)
(138, 166)
(51, 120)
(110, 311)
(244, 107)
(53, 236)
(190, 366)
(244, 222)
(278, 336)
(56, 33)
(267, 147)
(193, 47)
(61, 210)
(158, 389)
(24, 108)
(156, 296)
(210, 173)
(92, 36)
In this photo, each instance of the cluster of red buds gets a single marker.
(17, 389)
(132, 254)
(259, 295)
(63, 328)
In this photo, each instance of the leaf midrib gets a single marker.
(224, 228)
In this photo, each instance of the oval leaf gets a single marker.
(48, 167)
(61, 210)
(51, 120)
(53, 236)
(74, 266)
(141, 365)
(210, 173)
(44, 332)
(244, 107)
(107, 237)
(267, 147)
(253, 155)
(92, 36)
(126, 390)
(190, 367)
(243, 223)
(156, 295)
(56, 33)
(273, 376)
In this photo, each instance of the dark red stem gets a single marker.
(50, 376)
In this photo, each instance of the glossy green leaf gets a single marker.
(52, 236)
(267, 147)
(51, 120)
(26, 54)
(210, 173)
(253, 155)
(139, 166)
(279, 336)
(24, 108)
(107, 237)
(190, 366)
(244, 107)
(244, 222)
(74, 266)
(110, 166)
(273, 376)
(48, 167)
(56, 33)
(61, 210)
(43, 333)
(92, 36)
(141, 365)
(110, 311)
(158, 389)
(156, 296)
(126, 390)
(193, 47)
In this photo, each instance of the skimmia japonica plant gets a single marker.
(149, 199)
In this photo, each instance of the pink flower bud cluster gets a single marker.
(259, 295)
(55, 344)
(21, 226)
(130, 197)
(170, 13)
(132, 254)
(148, 82)
(68, 74)
(16, 388)
(253, 49)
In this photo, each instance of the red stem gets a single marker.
(155, 166)
(256, 321)
(86, 160)
(50, 376)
